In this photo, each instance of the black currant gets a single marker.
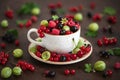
(89, 15)
(73, 28)
(60, 26)
(51, 74)
(62, 58)
(53, 12)
(62, 32)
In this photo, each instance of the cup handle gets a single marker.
(32, 40)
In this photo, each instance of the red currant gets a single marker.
(72, 71)
(67, 72)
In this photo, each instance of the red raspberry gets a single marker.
(28, 23)
(9, 14)
(92, 5)
(17, 43)
(55, 31)
(73, 9)
(34, 18)
(71, 23)
(51, 24)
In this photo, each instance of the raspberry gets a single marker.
(55, 31)
(51, 24)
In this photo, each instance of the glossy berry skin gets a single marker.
(80, 54)
(73, 56)
(73, 28)
(99, 42)
(60, 26)
(67, 72)
(28, 23)
(72, 71)
(109, 72)
(51, 24)
(38, 54)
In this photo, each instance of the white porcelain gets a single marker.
(61, 63)
(57, 43)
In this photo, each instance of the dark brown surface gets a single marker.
(79, 67)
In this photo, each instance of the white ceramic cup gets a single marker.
(56, 43)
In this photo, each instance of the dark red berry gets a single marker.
(112, 19)
(42, 28)
(73, 9)
(92, 5)
(38, 54)
(3, 45)
(72, 71)
(80, 7)
(34, 18)
(9, 14)
(41, 35)
(97, 17)
(80, 54)
(51, 6)
(28, 23)
(73, 56)
(59, 5)
(114, 40)
(17, 43)
(56, 59)
(67, 72)
(117, 65)
(21, 25)
(109, 72)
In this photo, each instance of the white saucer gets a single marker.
(62, 63)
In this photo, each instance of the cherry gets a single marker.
(72, 71)
(67, 72)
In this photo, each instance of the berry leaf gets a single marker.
(21, 21)
(109, 11)
(88, 68)
(116, 51)
(110, 51)
(13, 31)
(91, 33)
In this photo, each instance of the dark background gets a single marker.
(79, 67)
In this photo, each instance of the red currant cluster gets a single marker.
(112, 19)
(97, 17)
(63, 57)
(107, 41)
(60, 26)
(25, 65)
(68, 72)
(27, 24)
(9, 13)
(3, 58)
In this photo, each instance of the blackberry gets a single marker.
(73, 28)
(10, 38)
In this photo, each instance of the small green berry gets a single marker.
(99, 66)
(75, 50)
(78, 17)
(66, 28)
(35, 11)
(4, 23)
(6, 72)
(17, 71)
(44, 23)
(17, 53)
(93, 27)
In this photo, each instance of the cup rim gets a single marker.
(63, 35)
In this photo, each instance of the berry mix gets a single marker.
(59, 26)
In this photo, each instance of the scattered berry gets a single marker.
(73, 9)
(3, 45)
(17, 53)
(28, 23)
(97, 17)
(89, 15)
(17, 43)
(92, 5)
(17, 71)
(6, 72)
(72, 71)
(4, 23)
(34, 18)
(78, 17)
(3, 58)
(35, 11)
(117, 65)
(67, 72)
(112, 19)
(93, 27)
(9, 14)
(50, 74)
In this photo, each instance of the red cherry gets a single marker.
(117, 65)
(38, 54)
(21, 25)
(67, 72)
(51, 24)
(9, 14)
(17, 43)
(73, 56)
(109, 72)
(110, 41)
(80, 54)
(34, 18)
(55, 31)
(72, 71)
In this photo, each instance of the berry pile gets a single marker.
(53, 56)
(25, 65)
(107, 41)
(60, 26)
(3, 58)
